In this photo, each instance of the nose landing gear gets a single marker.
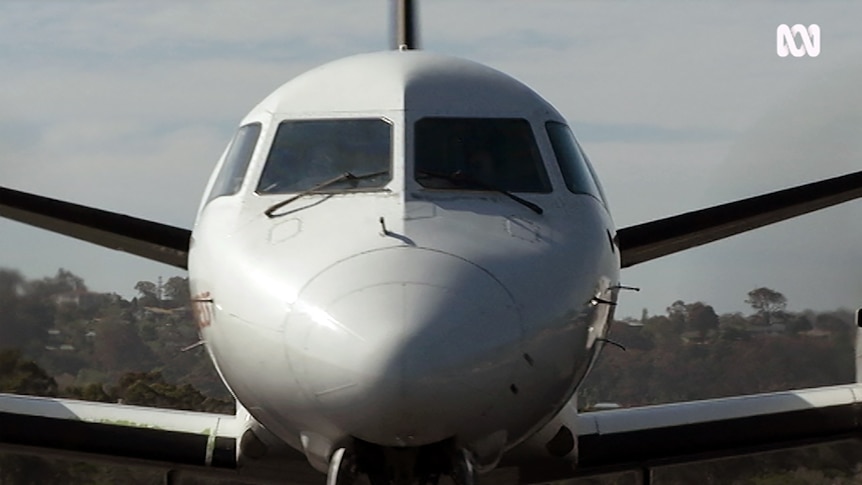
(342, 468)
(464, 469)
(423, 465)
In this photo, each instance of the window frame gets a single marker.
(334, 190)
(221, 178)
(542, 173)
(588, 173)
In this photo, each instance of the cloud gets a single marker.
(680, 105)
(645, 133)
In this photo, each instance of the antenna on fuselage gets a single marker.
(405, 27)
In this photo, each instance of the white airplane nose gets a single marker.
(404, 346)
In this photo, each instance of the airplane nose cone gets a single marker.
(402, 346)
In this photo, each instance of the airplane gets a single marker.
(402, 267)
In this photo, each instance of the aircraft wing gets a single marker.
(617, 440)
(647, 437)
(118, 431)
(194, 443)
(639, 243)
(151, 240)
(661, 237)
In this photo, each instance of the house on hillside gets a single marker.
(171, 314)
(83, 298)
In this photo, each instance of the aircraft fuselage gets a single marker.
(408, 313)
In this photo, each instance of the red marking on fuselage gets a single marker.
(202, 308)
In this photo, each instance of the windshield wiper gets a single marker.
(461, 179)
(346, 176)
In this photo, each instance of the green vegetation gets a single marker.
(101, 347)
(693, 353)
(57, 338)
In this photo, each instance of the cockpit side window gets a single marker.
(478, 154)
(232, 171)
(306, 153)
(579, 175)
(595, 177)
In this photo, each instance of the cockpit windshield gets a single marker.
(492, 153)
(306, 153)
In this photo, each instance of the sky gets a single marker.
(126, 106)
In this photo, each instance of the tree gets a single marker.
(11, 283)
(149, 293)
(118, 347)
(701, 318)
(677, 311)
(842, 329)
(662, 329)
(677, 314)
(733, 326)
(798, 324)
(697, 317)
(26, 311)
(25, 321)
(69, 281)
(21, 376)
(177, 290)
(63, 282)
(767, 302)
(11, 288)
(89, 392)
(151, 389)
